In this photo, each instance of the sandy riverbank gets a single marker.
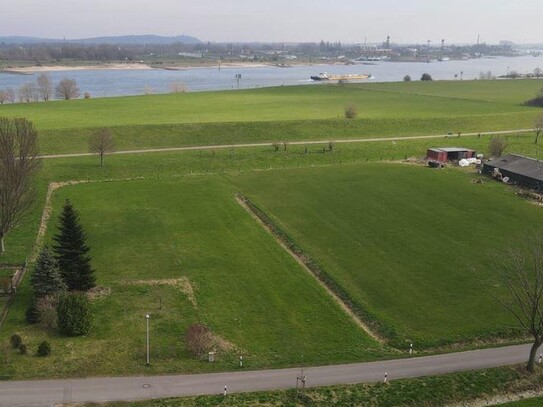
(130, 66)
(60, 68)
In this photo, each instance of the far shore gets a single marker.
(143, 66)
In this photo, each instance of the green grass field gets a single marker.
(389, 234)
(246, 288)
(284, 113)
(411, 245)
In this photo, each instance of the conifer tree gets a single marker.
(71, 251)
(46, 279)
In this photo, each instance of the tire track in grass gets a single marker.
(302, 262)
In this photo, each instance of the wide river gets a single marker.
(104, 83)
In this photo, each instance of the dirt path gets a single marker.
(292, 143)
(301, 262)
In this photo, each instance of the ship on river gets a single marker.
(323, 76)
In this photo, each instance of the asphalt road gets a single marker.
(50, 392)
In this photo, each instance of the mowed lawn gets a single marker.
(283, 114)
(414, 246)
(145, 236)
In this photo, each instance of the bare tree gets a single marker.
(45, 86)
(28, 92)
(101, 143)
(67, 89)
(10, 95)
(178, 87)
(538, 72)
(521, 274)
(497, 146)
(3, 96)
(538, 128)
(19, 163)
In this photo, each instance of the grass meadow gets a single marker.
(184, 251)
(408, 244)
(285, 113)
(411, 245)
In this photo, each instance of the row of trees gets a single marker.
(42, 89)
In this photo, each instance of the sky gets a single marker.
(348, 21)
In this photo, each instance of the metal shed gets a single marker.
(520, 170)
(449, 153)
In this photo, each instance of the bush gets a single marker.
(22, 349)
(407, 78)
(350, 111)
(535, 102)
(32, 315)
(44, 349)
(47, 308)
(74, 314)
(198, 339)
(15, 341)
(497, 146)
(426, 77)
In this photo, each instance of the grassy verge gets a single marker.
(427, 391)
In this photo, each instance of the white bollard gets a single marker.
(225, 391)
(411, 349)
(540, 358)
(241, 361)
(386, 378)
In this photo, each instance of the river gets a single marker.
(106, 83)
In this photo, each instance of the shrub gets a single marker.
(87, 95)
(497, 146)
(44, 349)
(22, 349)
(535, 102)
(15, 341)
(74, 314)
(47, 309)
(32, 315)
(198, 339)
(407, 78)
(350, 111)
(426, 77)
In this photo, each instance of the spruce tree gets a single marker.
(46, 279)
(72, 252)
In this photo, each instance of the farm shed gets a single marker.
(520, 170)
(449, 154)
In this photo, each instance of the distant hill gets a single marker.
(123, 39)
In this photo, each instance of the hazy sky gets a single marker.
(279, 20)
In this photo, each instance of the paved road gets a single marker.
(49, 392)
(292, 143)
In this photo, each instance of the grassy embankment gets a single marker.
(288, 113)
